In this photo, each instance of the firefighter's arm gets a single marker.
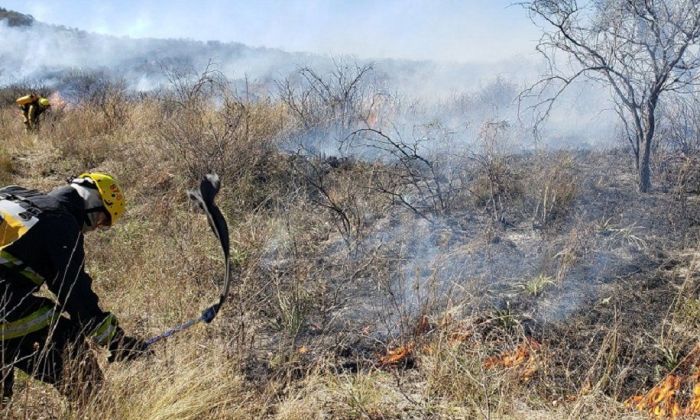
(73, 289)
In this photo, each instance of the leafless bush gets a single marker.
(496, 185)
(207, 127)
(680, 127)
(98, 92)
(425, 184)
(330, 186)
(326, 107)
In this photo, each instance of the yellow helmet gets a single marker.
(44, 102)
(111, 194)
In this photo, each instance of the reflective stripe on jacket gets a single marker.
(105, 331)
(29, 324)
(10, 262)
(50, 253)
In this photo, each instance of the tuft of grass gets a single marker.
(536, 285)
(629, 235)
(188, 384)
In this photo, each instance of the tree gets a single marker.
(642, 49)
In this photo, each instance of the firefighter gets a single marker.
(32, 107)
(41, 242)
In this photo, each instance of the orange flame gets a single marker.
(660, 400)
(670, 397)
(396, 355)
(57, 101)
(523, 356)
(694, 405)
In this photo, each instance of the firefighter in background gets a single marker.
(41, 242)
(32, 107)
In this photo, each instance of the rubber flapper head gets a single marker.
(204, 197)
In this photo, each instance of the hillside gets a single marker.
(392, 258)
(13, 19)
(144, 65)
(141, 61)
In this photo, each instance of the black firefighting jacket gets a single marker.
(53, 248)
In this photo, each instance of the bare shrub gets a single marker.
(680, 128)
(98, 92)
(678, 172)
(326, 107)
(343, 188)
(206, 127)
(425, 184)
(496, 186)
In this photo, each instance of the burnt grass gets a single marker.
(615, 313)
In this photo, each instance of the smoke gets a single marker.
(440, 108)
(457, 95)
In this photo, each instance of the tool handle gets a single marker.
(172, 331)
(207, 316)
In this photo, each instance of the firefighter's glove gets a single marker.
(129, 348)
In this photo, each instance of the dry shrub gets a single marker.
(289, 266)
(206, 127)
(495, 184)
(496, 187)
(341, 189)
(552, 188)
(82, 137)
(329, 104)
(679, 174)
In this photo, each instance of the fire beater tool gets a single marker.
(204, 197)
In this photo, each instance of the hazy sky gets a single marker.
(464, 31)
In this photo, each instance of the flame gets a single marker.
(57, 101)
(401, 353)
(670, 397)
(396, 355)
(661, 399)
(694, 405)
(523, 356)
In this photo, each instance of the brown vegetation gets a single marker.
(480, 283)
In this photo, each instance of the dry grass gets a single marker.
(332, 270)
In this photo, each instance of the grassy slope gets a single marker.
(318, 302)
